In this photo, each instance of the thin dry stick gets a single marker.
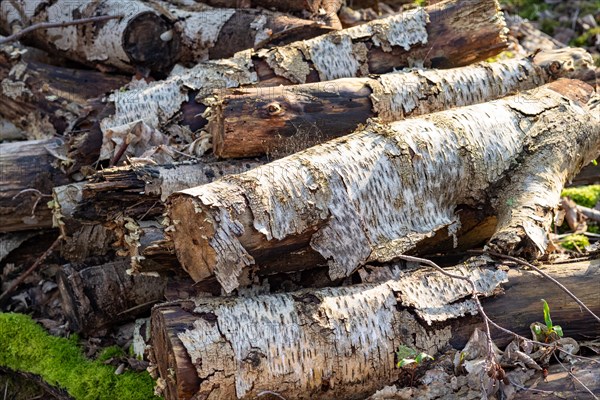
(35, 265)
(490, 344)
(575, 378)
(487, 320)
(539, 271)
(47, 25)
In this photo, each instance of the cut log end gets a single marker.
(146, 44)
(170, 356)
(192, 245)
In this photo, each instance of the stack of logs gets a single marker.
(252, 172)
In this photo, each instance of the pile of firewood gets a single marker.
(256, 176)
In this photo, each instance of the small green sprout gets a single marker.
(552, 329)
(407, 356)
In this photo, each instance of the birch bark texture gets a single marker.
(135, 39)
(377, 193)
(248, 122)
(419, 37)
(327, 343)
(215, 33)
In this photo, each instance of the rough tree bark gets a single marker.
(325, 10)
(286, 119)
(326, 343)
(221, 32)
(97, 297)
(453, 33)
(100, 216)
(340, 342)
(378, 192)
(134, 40)
(46, 100)
(28, 173)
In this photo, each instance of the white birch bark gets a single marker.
(328, 343)
(378, 192)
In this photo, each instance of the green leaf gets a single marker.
(594, 163)
(406, 361)
(558, 330)
(547, 318)
(422, 356)
(405, 352)
(537, 330)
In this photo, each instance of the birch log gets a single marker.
(286, 119)
(453, 33)
(328, 343)
(222, 32)
(27, 174)
(138, 38)
(46, 100)
(325, 10)
(339, 342)
(378, 192)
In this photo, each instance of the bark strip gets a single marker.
(283, 120)
(326, 343)
(380, 191)
(136, 39)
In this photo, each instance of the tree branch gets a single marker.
(47, 25)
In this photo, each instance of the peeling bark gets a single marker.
(283, 120)
(327, 343)
(46, 100)
(131, 41)
(221, 32)
(325, 10)
(27, 175)
(437, 36)
(380, 191)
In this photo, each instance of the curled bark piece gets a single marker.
(328, 343)
(133, 40)
(380, 191)
(283, 120)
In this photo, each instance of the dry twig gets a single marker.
(35, 265)
(47, 25)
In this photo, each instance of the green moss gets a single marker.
(575, 242)
(586, 196)
(585, 39)
(529, 9)
(111, 352)
(27, 347)
(505, 55)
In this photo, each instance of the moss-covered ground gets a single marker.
(25, 346)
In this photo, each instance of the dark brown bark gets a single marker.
(98, 297)
(310, 7)
(220, 33)
(27, 176)
(520, 305)
(45, 100)
(283, 120)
